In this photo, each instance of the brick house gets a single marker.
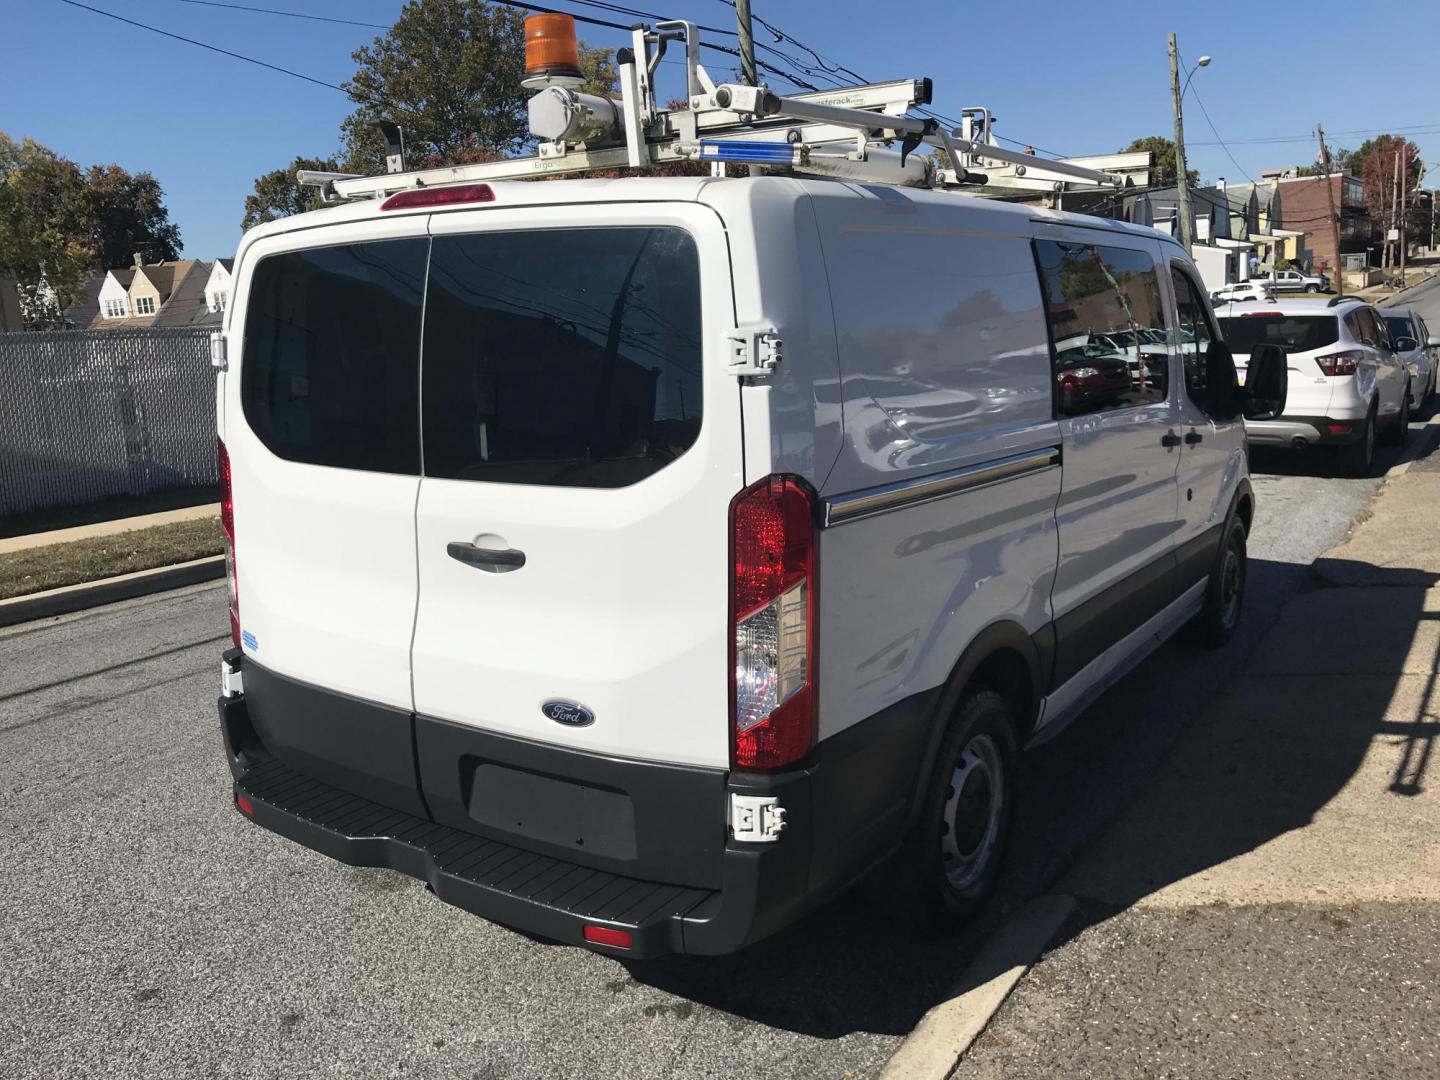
(1304, 206)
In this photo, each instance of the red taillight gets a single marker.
(608, 935)
(1337, 429)
(443, 195)
(244, 805)
(1341, 363)
(773, 623)
(227, 526)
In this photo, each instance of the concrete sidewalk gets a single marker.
(107, 528)
(1271, 905)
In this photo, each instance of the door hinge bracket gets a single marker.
(219, 353)
(756, 819)
(232, 682)
(753, 352)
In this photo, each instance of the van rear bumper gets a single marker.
(761, 887)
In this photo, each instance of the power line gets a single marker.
(204, 45)
(1199, 101)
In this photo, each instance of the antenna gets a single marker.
(853, 132)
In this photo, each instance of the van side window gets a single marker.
(330, 370)
(1107, 326)
(1196, 332)
(567, 357)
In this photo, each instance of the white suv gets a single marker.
(639, 562)
(1347, 383)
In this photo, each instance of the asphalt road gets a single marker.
(149, 931)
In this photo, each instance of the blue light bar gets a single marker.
(739, 150)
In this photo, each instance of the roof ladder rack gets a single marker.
(848, 132)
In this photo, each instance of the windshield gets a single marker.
(1297, 333)
(1399, 326)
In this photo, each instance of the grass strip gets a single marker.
(54, 565)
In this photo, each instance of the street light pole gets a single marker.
(1182, 183)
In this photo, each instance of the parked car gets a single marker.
(1418, 350)
(1295, 281)
(1240, 291)
(1090, 376)
(1347, 384)
(614, 623)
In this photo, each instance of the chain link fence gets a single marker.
(87, 415)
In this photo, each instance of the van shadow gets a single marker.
(1236, 769)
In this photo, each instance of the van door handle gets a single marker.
(1170, 439)
(1193, 437)
(487, 559)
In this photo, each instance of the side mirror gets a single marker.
(1433, 342)
(1406, 344)
(1267, 381)
(1222, 390)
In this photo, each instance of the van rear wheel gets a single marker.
(951, 862)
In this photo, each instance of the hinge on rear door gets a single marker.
(219, 353)
(232, 682)
(756, 819)
(753, 352)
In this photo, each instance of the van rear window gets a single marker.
(567, 357)
(1297, 333)
(329, 369)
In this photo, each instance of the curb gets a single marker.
(89, 594)
(948, 1030)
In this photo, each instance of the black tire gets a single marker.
(1357, 457)
(1399, 431)
(1225, 592)
(948, 867)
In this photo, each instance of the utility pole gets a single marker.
(1394, 205)
(747, 43)
(1182, 181)
(1339, 281)
(1404, 185)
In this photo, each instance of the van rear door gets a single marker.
(322, 431)
(581, 444)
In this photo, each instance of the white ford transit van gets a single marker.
(639, 562)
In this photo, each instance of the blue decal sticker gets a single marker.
(248, 640)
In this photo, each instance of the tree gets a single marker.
(1378, 171)
(46, 233)
(448, 72)
(1164, 171)
(129, 217)
(278, 194)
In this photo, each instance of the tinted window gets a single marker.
(1107, 325)
(1297, 333)
(561, 356)
(329, 375)
(1196, 333)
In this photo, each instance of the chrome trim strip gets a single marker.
(923, 489)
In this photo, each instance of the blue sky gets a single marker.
(1074, 78)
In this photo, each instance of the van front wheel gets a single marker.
(1225, 592)
(952, 860)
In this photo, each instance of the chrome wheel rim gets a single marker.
(971, 822)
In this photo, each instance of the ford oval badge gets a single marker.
(568, 713)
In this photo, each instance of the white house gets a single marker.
(217, 286)
(115, 294)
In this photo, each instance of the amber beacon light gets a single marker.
(552, 56)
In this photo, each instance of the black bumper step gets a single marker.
(534, 893)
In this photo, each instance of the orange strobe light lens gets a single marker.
(550, 46)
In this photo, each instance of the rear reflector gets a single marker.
(244, 805)
(608, 935)
(445, 195)
(1337, 429)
